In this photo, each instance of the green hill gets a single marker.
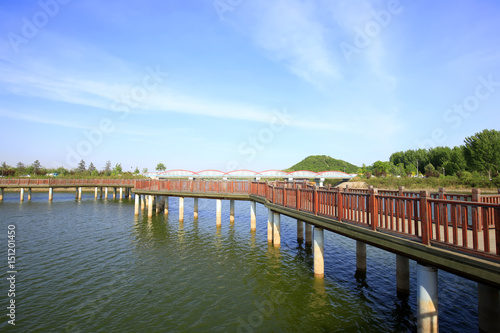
(318, 163)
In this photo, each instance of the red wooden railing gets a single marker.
(69, 182)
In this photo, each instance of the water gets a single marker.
(91, 266)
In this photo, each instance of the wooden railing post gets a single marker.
(297, 198)
(496, 219)
(284, 195)
(425, 218)
(373, 208)
(340, 204)
(476, 214)
(315, 200)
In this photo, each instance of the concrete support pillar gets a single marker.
(106, 193)
(270, 223)
(360, 257)
(129, 193)
(195, 208)
(1, 194)
(100, 195)
(308, 234)
(137, 204)
(166, 205)
(22, 195)
(402, 274)
(79, 193)
(489, 308)
(219, 212)
(319, 248)
(231, 211)
(300, 231)
(76, 193)
(96, 190)
(150, 205)
(143, 201)
(121, 193)
(181, 209)
(253, 218)
(29, 194)
(51, 194)
(427, 299)
(114, 193)
(158, 205)
(276, 229)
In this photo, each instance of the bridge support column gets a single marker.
(489, 308)
(96, 190)
(1, 194)
(181, 209)
(195, 208)
(106, 193)
(129, 193)
(360, 257)
(29, 194)
(76, 193)
(270, 225)
(143, 201)
(51, 193)
(150, 205)
(276, 229)
(308, 234)
(219, 212)
(253, 218)
(158, 204)
(80, 193)
(121, 193)
(21, 195)
(137, 204)
(427, 299)
(300, 231)
(402, 274)
(165, 206)
(319, 261)
(231, 211)
(114, 193)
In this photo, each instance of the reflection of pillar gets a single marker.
(276, 230)
(231, 211)
(308, 234)
(181, 209)
(219, 212)
(402, 274)
(166, 205)
(51, 193)
(195, 209)
(319, 262)
(269, 225)
(22, 195)
(253, 217)
(427, 299)
(136, 211)
(29, 194)
(150, 206)
(489, 308)
(300, 231)
(360, 256)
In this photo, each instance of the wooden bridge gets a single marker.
(459, 233)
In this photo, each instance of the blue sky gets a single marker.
(240, 84)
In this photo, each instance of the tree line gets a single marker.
(478, 156)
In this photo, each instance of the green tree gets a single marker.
(482, 151)
(107, 168)
(136, 171)
(381, 168)
(161, 167)
(92, 167)
(21, 168)
(81, 166)
(37, 166)
(117, 170)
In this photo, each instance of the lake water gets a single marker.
(91, 266)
